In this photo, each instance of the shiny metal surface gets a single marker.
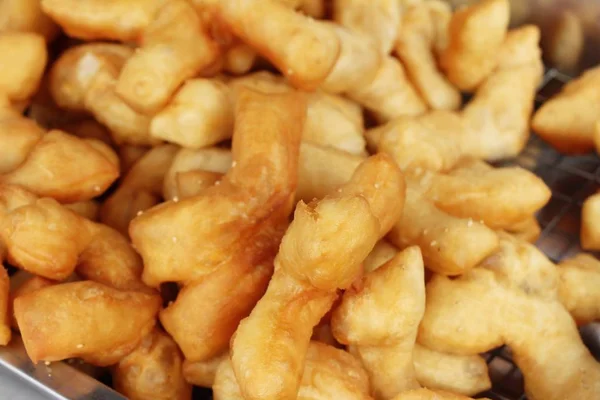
(57, 381)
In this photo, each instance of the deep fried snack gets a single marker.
(426, 394)
(87, 209)
(578, 287)
(568, 120)
(88, 129)
(199, 115)
(564, 47)
(415, 48)
(390, 94)
(202, 373)
(314, 8)
(208, 311)
(304, 50)
(152, 370)
(47, 239)
(239, 59)
(22, 283)
(590, 229)
(84, 319)
(471, 53)
(173, 43)
(528, 230)
(5, 332)
(251, 197)
(379, 322)
(194, 170)
(26, 16)
(24, 59)
(497, 127)
(84, 79)
(466, 375)
(129, 155)
(383, 252)
(378, 20)
(140, 189)
(488, 307)
(328, 373)
(321, 252)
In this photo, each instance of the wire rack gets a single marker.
(572, 179)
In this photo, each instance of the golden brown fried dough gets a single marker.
(5, 333)
(152, 370)
(304, 50)
(22, 283)
(383, 252)
(202, 373)
(84, 319)
(129, 155)
(415, 48)
(252, 196)
(378, 20)
(528, 230)
(140, 189)
(426, 394)
(512, 298)
(470, 55)
(308, 272)
(568, 120)
(24, 59)
(578, 287)
(87, 209)
(173, 44)
(26, 16)
(566, 42)
(467, 375)
(328, 373)
(590, 228)
(379, 322)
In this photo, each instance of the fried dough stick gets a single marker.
(578, 287)
(85, 319)
(380, 321)
(321, 252)
(224, 239)
(512, 298)
(426, 394)
(153, 370)
(47, 239)
(51, 164)
(26, 16)
(173, 43)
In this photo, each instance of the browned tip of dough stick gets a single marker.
(568, 120)
(322, 251)
(24, 57)
(253, 194)
(590, 223)
(152, 370)
(426, 394)
(380, 321)
(470, 55)
(578, 287)
(84, 319)
(303, 49)
(519, 284)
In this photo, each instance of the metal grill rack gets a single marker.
(572, 179)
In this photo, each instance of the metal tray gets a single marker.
(571, 179)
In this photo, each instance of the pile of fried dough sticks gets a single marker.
(281, 199)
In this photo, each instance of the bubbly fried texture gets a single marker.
(188, 166)
(590, 229)
(5, 332)
(426, 394)
(140, 189)
(379, 322)
(475, 36)
(202, 373)
(378, 20)
(49, 240)
(466, 375)
(578, 287)
(84, 79)
(328, 373)
(84, 319)
(520, 284)
(152, 370)
(304, 50)
(415, 48)
(238, 221)
(26, 16)
(568, 120)
(390, 94)
(173, 43)
(270, 345)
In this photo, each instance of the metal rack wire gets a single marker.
(572, 179)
